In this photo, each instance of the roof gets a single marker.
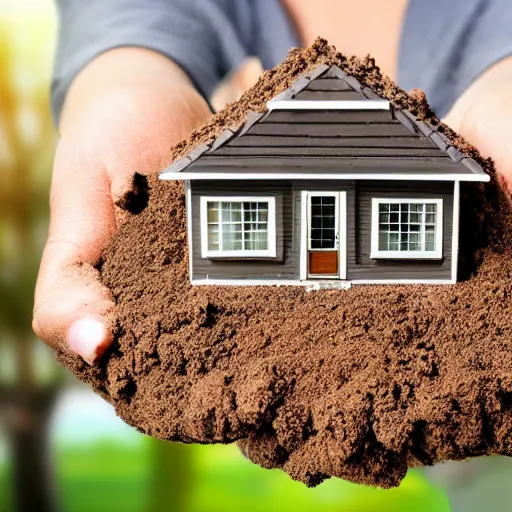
(321, 115)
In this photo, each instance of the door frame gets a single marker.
(342, 232)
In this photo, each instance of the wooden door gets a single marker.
(323, 232)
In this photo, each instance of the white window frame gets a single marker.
(375, 253)
(271, 252)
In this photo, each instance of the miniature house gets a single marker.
(330, 185)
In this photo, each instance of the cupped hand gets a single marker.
(122, 115)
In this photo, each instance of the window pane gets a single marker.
(328, 221)
(250, 215)
(383, 241)
(213, 237)
(414, 238)
(231, 240)
(316, 234)
(316, 210)
(213, 212)
(430, 241)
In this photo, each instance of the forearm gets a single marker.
(482, 115)
(495, 81)
(123, 75)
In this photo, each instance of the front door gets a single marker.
(326, 235)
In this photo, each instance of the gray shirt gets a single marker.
(445, 44)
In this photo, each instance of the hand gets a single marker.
(123, 113)
(483, 115)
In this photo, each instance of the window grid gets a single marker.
(237, 226)
(407, 227)
(323, 223)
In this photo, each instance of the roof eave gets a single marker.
(180, 176)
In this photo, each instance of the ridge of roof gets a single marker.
(295, 73)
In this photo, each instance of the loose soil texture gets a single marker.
(359, 384)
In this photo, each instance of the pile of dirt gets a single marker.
(359, 384)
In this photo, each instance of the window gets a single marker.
(407, 228)
(323, 221)
(238, 227)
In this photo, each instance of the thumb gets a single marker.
(72, 307)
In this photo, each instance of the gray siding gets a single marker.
(284, 266)
(287, 263)
(366, 268)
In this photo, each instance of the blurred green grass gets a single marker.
(106, 477)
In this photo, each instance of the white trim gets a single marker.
(343, 235)
(271, 226)
(340, 228)
(325, 193)
(247, 282)
(294, 282)
(375, 253)
(303, 272)
(328, 105)
(188, 210)
(401, 281)
(174, 175)
(455, 230)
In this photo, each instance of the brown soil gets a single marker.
(359, 384)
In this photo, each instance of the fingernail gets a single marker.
(85, 337)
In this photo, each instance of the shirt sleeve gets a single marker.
(447, 44)
(206, 38)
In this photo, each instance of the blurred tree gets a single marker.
(171, 476)
(29, 379)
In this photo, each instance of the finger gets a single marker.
(71, 305)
